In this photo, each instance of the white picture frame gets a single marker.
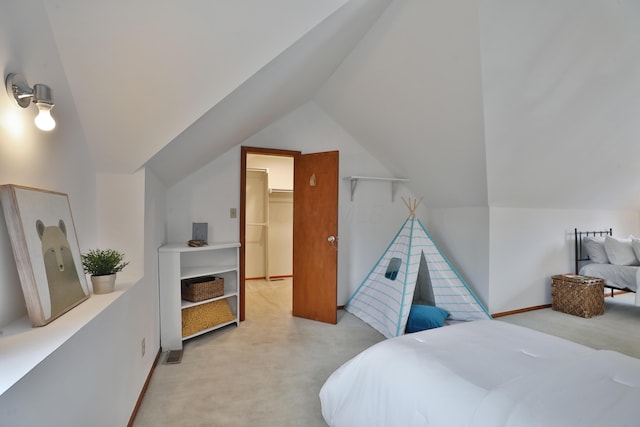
(46, 251)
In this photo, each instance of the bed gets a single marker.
(483, 373)
(599, 254)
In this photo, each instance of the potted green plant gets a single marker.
(102, 265)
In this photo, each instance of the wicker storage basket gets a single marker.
(578, 295)
(205, 316)
(201, 288)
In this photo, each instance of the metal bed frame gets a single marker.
(581, 256)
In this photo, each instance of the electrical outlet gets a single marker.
(143, 347)
(233, 213)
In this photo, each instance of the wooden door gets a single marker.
(315, 225)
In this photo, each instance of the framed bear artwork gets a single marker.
(46, 251)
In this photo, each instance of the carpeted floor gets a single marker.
(618, 329)
(269, 370)
(266, 372)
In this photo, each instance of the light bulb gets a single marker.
(44, 120)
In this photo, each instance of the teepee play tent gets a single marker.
(412, 271)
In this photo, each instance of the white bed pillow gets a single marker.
(595, 249)
(619, 251)
(635, 245)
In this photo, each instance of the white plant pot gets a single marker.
(103, 284)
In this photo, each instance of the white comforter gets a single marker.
(483, 373)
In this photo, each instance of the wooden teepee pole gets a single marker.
(412, 206)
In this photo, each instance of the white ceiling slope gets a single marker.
(288, 81)
(562, 103)
(500, 103)
(478, 102)
(141, 72)
(411, 93)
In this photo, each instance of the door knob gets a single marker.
(332, 240)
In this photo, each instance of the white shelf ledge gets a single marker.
(183, 247)
(394, 183)
(186, 304)
(213, 328)
(22, 347)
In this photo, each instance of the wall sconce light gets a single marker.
(19, 91)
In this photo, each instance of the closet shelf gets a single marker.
(394, 183)
(280, 190)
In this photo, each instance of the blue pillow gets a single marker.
(422, 317)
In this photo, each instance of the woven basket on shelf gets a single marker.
(202, 288)
(578, 295)
(205, 316)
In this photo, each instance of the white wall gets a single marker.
(280, 234)
(528, 246)
(206, 196)
(120, 216)
(534, 113)
(411, 93)
(542, 94)
(155, 232)
(462, 234)
(508, 255)
(255, 241)
(94, 377)
(561, 91)
(101, 369)
(280, 169)
(366, 225)
(58, 160)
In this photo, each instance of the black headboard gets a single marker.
(579, 254)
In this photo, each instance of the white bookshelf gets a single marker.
(179, 261)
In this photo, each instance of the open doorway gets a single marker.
(315, 231)
(267, 224)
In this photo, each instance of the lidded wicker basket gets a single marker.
(578, 295)
(202, 288)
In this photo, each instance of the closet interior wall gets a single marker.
(256, 234)
(269, 217)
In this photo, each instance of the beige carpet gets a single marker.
(618, 329)
(268, 371)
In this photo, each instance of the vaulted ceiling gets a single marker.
(480, 103)
(141, 72)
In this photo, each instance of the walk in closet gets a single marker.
(269, 217)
